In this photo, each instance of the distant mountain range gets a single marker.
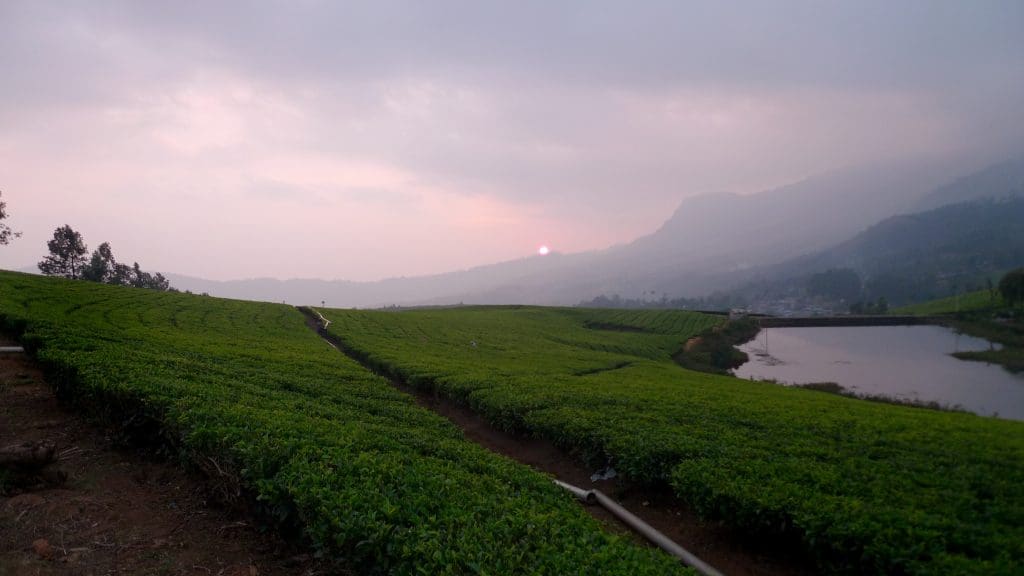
(1002, 180)
(710, 243)
(903, 259)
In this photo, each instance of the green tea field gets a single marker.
(328, 451)
(860, 487)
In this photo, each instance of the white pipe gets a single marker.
(325, 321)
(581, 494)
(627, 517)
(645, 529)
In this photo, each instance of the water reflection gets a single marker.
(908, 362)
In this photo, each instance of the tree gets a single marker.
(121, 275)
(142, 279)
(5, 231)
(104, 268)
(67, 254)
(1012, 287)
(835, 284)
(101, 266)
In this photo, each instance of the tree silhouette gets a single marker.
(67, 254)
(1012, 287)
(101, 266)
(5, 231)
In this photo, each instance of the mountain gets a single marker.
(438, 288)
(1002, 180)
(710, 240)
(904, 259)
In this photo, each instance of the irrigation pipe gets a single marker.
(322, 330)
(645, 529)
(625, 516)
(325, 321)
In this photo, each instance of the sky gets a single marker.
(351, 140)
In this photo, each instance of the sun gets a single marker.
(543, 250)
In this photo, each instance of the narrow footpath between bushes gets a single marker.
(103, 510)
(725, 549)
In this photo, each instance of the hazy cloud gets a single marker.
(362, 140)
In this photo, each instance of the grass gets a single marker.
(980, 300)
(714, 350)
(327, 451)
(860, 487)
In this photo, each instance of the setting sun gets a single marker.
(543, 250)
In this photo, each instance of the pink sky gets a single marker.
(200, 143)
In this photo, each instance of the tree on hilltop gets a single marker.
(67, 254)
(5, 231)
(104, 268)
(101, 266)
(142, 279)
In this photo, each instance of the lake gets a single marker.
(905, 362)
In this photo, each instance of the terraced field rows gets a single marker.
(331, 452)
(861, 487)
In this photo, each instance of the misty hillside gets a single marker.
(706, 241)
(713, 241)
(908, 258)
(403, 290)
(1005, 179)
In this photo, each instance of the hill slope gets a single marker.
(864, 487)
(906, 259)
(1002, 180)
(329, 453)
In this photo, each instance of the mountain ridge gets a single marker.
(686, 255)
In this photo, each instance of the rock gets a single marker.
(43, 549)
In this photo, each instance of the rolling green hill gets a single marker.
(333, 454)
(862, 487)
(324, 449)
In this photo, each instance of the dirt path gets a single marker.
(725, 549)
(118, 512)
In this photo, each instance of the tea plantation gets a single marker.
(860, 487)
(330, 453)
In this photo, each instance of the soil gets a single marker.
(118, 511)
(729, 551)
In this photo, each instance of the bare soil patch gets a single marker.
(118, 511)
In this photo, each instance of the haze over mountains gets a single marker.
(710, 243)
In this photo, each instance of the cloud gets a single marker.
(462, 132)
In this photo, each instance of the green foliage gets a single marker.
(1011, 286)
(979, 300)
(5, 231)
(861, 487)
(67, 254)
(103, 267)
(248, 393)
(714, 350)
